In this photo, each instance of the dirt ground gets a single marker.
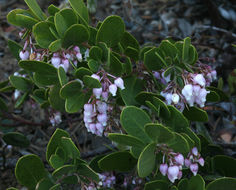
(210, 23)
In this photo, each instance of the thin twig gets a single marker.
(218, 29)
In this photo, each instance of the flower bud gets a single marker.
(168, 98)
(101, 107)
(79, 57)
(88, 107)
(56, 61)
(199, 79)
(214, 74)
(201, 161)
(24, 55)
(105, 95)
(195, 151)
(194, 168)
(102, 118)
(173, 172)
(175, 98)
(187, 162)
(113, 89)
(76, 48)
(119, 83)
(95, 76)
(97, 92)
(92, 127)
(163, 169)
(179, 158)
(187, 91)
(99, 127)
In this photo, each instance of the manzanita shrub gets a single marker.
(141, 98)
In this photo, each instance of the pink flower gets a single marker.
(119, 83)
(195, 151)
(95, 76)
(187, 162)
(199, 79)
(179, 158)
(113, 89)
(97, 92)
(24, 55)
(172, 173)
(201, 161)
(163, 169)
(194, 168)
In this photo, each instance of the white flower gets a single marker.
(119, 83)
(194, 168)
(175, 98)
(187, 91)
(163, 169)
(173, 172)
(95, 76)
(97, 92)
(113, 89)
(199, 79)
(24, 55)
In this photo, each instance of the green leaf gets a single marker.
(75, 103)
(129, 40)
(55, 99)
(179, 144)
(80, 8)
(73, 179)
(81, 72)
(21, 83)
(43, 35)
(71, 88)
(186, 46)
(93, 65)
(54, 142)
(34, 7)
(124, 162)
(55, 46)
(195, 114)
(62, 76)
(146, 161)
(95, 53)
(132, 53)
(194, 137)
(55, 161)
(222, 95)
(12, 188)
(196, 183)
(153, 61)
(111, 31)
(157, 184)
(3, 105)
(126, 140)
(133, 86)
(70, 148)
(133, 120)
(64, 19)
(75, 35)
(85, 171)
(22, 18)
(91, 82)
(15, 49)
(225, 165)
(158, 133)
(64, 170)
(43, 184)
(94, 163)
(56, 187)
(115, 66)
(21, 100)
(52, 10)
(168, 49)
(212, 97)
(177, 121)
(16, 139)
(164, 112)
(29, 171)
(222, 184)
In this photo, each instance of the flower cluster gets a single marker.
(172, 167)
(95, 113)
(63, 58)
(194, 91)
(58, 59)
(106, 180)
(55, 119)
(193, 159)
(135, 182)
